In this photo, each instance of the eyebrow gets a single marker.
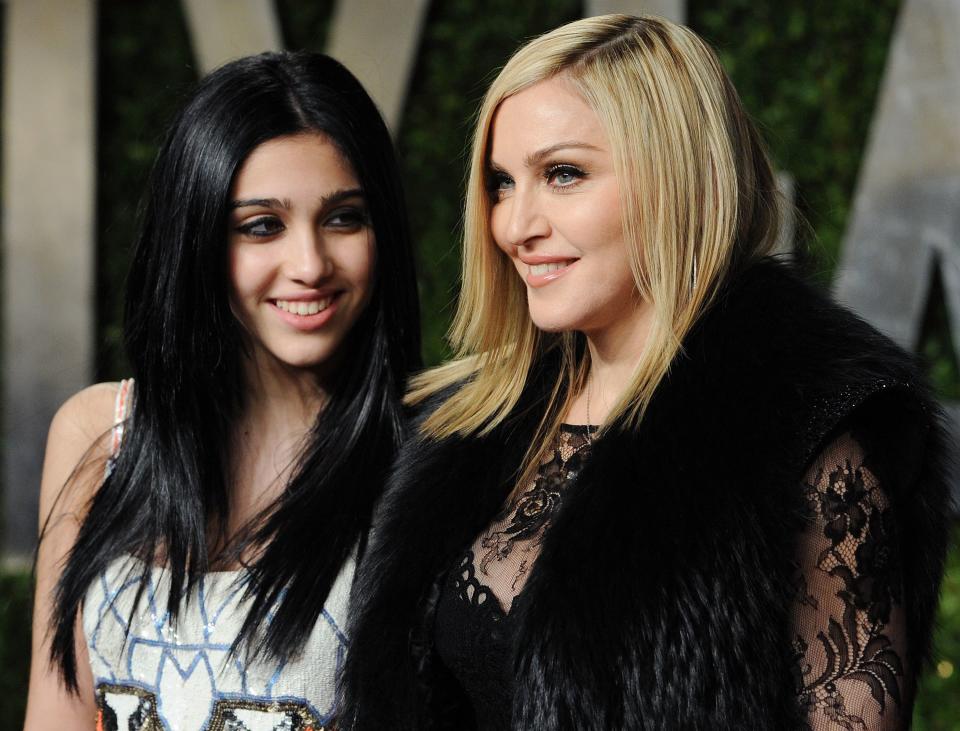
(326, 200)
(535, 158)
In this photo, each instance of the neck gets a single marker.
(280, 408)
(614, 353)
(282, 395)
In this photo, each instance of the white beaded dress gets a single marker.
(150, 674)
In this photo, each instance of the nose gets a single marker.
(525, 219)
(307, 259)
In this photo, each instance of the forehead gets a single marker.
(308, 159)
(545, 114)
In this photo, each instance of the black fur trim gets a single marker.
(661, 596)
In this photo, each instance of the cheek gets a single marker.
(611, 258)
(605, 230)
(498, 223)
(237, 264)
(252, 265)
(239, 271)
(359, 261)
(621, 285)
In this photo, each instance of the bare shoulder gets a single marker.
(78, 446)
(86, 414)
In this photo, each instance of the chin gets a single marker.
(553, 322)
(302, 359)
(311, 360)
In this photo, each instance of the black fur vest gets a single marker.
(660, 598)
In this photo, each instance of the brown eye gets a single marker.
(348, 219)
(262, 227)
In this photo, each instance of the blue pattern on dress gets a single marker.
(153, 648)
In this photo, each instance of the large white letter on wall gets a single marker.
(378, 41)
(48, 236)
(906, 215)
(675, 10)
(906, 212)
(222, 30)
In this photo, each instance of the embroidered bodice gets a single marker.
(152, 674)
(848, 628)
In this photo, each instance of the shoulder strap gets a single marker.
(121, 411)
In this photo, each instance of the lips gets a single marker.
(544, 270)
(554, 266)
(304, 307)
(309, 313)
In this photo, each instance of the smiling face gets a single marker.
(556, 209)
(301, 250)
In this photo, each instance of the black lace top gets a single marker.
(848, 621)
(474, 630)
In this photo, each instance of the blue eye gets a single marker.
(262, 227)
(563, 176)
(498, 183)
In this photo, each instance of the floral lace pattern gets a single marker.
(849, 632)
(474, 629)
(464, 581)
(848, 625)
(508, 549)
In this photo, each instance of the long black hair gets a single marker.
(168, 483)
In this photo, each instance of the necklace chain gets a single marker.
(589, 435)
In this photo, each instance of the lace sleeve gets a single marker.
(848, 622)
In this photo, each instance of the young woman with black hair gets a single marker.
(200, 522)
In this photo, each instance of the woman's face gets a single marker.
(301, 250)
(556, 209)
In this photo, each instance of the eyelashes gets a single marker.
(561, 177)
(498, 183)
(261, 228)
(348, 218)
(571, 175)
(342, 220)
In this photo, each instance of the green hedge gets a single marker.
(463, 46)
(145, 66)
(15, 601)
(808, 72)
(938, 702)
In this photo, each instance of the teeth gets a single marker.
(304, 308)
(540, 269)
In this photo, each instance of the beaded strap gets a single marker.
(120, 413)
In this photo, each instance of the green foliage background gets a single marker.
(808, 72)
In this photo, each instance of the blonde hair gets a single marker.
(697, 200)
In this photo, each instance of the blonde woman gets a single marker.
(665, 483)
